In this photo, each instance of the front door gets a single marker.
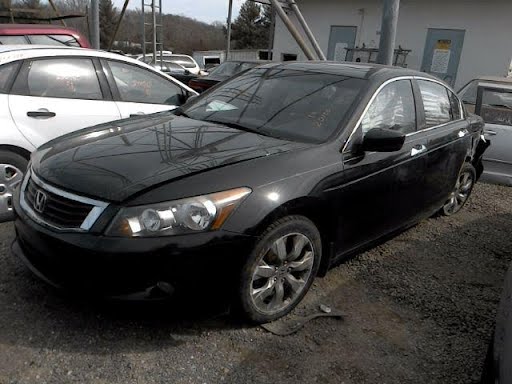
(340, 39)
(382, 190)
(442, 53)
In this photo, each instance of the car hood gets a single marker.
(117, 160)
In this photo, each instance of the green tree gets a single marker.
(251, 28)
(108, 19)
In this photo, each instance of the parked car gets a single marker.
(41, 34)
(175, 70)
(47, 92)
(498, 367)
(495, 107)
(184, 60)
(262, 183)
(221, 73)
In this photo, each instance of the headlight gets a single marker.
(195, 214)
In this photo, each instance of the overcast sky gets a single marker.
(204, 10)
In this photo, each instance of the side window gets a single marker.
(13, 40)
(393, 108)
(6, 72)
(454, 106)
(436, 103)
(68, 40)
(139, 85)
(63, 78)
(497, 107)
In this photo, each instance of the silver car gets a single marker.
(491, 98)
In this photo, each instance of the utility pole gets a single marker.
(95, 24)
(230, 17)
(390, 12)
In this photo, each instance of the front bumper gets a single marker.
(106, 266)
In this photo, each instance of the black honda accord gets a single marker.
(262, 183)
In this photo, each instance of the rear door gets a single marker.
(340, 39)
(55, 96)
(380, 191)
(494, 105)
(139, 91)
(449, 139)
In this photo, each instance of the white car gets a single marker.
(46, 92)
(185, 61)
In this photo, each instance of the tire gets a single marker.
(280, 269)
(462, 191)
(12, 168)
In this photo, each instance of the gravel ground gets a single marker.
(419, 309)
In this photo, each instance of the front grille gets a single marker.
(58, 211)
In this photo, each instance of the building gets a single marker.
(457, 40)
(207, 59)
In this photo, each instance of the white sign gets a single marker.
(340, 52)
(440, 61)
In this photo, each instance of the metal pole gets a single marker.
(390, 12)
(271, 35)
(143, 32)
(153, 15)
(228, 42)
(56, 12)
(294, 32)
(309, 33)
(118, 24)
(95, 24)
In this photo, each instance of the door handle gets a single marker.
(41, 114)
(418, 150)
(137, 114)
(463, 132)
(490, 133)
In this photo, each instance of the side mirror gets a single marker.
(192, 97)
(383, 140)
(187, 72)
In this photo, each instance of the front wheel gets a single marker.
(280, 269)
(463, 188)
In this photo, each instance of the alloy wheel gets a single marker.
(282, 273)
(10, 177)
(460, 194)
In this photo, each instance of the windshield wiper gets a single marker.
(241, 127)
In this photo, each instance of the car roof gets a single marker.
(19, 52)
(496, 79)
(350, 69)
(11, 53)
(35, 28)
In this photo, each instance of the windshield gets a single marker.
(290, 104)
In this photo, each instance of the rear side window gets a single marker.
(13, 40)
(436, 103)
(63, 78)
(67, 40)
(393, 108)
(6, 73)
(139, 85)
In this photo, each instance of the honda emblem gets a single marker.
(40, 201)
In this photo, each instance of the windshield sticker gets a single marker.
(219, 106)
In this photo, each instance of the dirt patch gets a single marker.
(419, 309)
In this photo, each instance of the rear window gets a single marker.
(13, 40)
(67, 40)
